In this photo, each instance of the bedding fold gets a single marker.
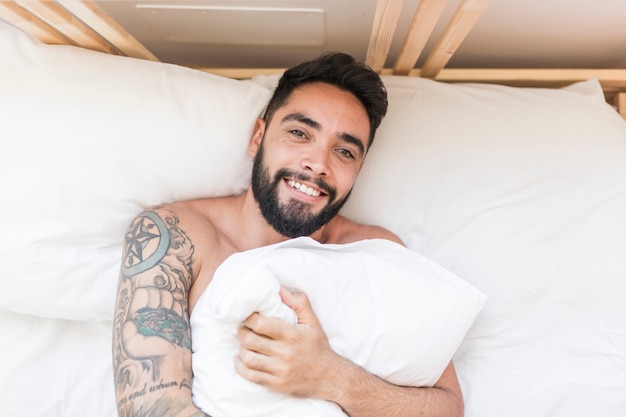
(385, 307)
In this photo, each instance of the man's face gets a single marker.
(307, 159)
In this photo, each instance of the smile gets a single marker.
(304, 189)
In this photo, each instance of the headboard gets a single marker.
(84, 23)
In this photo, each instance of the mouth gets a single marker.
(305, 189)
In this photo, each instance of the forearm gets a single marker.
(361, 394)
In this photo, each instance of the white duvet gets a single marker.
(385, 307)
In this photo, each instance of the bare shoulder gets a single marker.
(344, 230)
(187, 223)
(194, 217)
(185, 212)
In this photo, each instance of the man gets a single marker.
(308, 150)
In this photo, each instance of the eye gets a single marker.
(346, 153)
(298, 133)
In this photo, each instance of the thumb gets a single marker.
(299, 302)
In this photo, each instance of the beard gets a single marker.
(294, 218)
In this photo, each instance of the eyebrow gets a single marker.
(353, 140)
(346, 137)
(299, 117)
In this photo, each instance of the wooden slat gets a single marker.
(463, 20)
(23, 19)
(621, 104)
(92, 15)
(68, 25)
(424, 20)
(610, 79)
(385, 23)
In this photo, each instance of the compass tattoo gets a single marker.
(147, 241)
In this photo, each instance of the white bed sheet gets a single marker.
(55, 368)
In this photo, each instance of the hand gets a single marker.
(292, 359)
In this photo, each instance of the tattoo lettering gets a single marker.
(159, 407)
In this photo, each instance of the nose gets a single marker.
(316, 161)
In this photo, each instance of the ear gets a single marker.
(257, 137)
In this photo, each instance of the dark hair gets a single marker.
(342, 71)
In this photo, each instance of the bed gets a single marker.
(512, 179)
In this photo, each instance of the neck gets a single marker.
(256, 232)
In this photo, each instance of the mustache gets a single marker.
(301, 176)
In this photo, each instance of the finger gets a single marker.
(270, 327)
(299, 302)
(251, 374)
(254, 360)
(250, 340)
(244, 371)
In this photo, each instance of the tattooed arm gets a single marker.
(151, 335)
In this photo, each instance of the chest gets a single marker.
(204, 268)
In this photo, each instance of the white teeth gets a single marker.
(303, 188)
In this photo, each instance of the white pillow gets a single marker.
(88, 141)
(387, 308)
(522, 192)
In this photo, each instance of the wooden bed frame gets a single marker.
(83, 23)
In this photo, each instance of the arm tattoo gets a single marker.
(146, 243)
(151, 317)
